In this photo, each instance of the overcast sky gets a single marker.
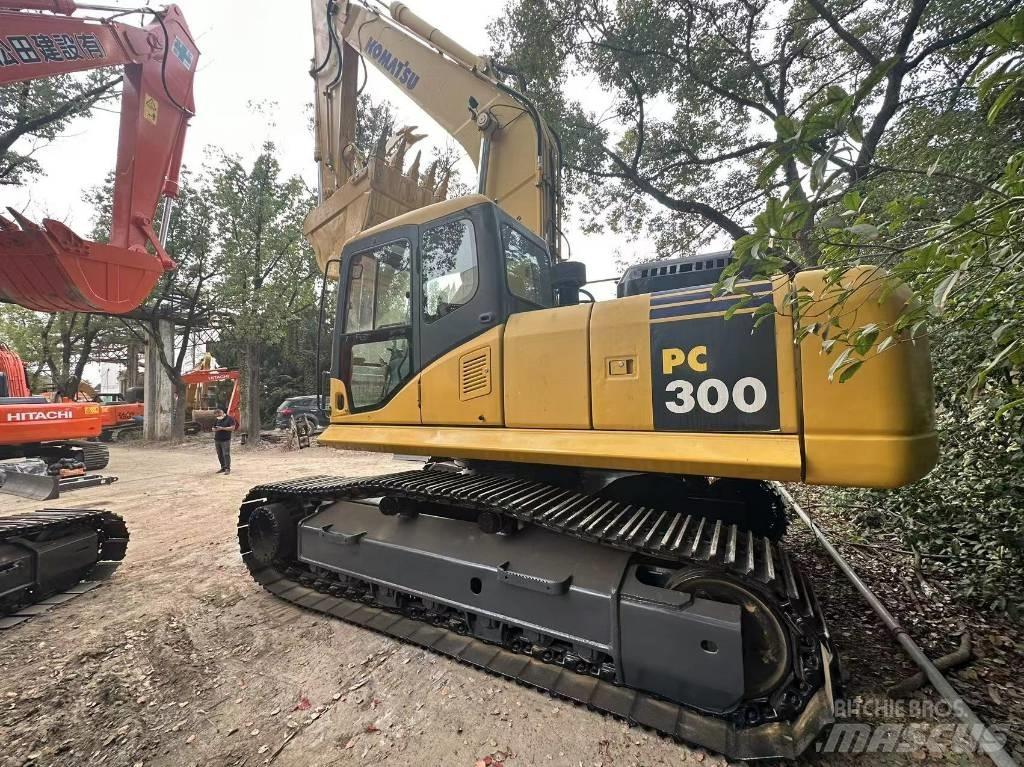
(259, 51)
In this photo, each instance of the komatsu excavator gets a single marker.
(595, 518)
(50, 268)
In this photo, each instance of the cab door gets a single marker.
(458, 296)
(376, 346)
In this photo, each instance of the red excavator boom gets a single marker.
(49, 267)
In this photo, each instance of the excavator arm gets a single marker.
(515, 152)
(49, 267)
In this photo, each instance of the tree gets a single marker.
(39, 111)
(185, 297)
(55, 347)
(942, 210)
(270, 273)
(702, 91)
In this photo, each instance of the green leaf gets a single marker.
(785, 127)
(847, 374)
(852, 200)
(856, 129)
(942, 292)
(840, 361)
(867, 231)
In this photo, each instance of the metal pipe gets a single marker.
(62, 7)
(485, 163)
(421, 27)
(165, 220)
(987, 741)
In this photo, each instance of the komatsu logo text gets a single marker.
(52, 415)
(393, 65)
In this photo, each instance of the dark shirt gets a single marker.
(224, 436)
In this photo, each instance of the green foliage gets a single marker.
(711, 108)
(940, 208)
(38, 111)
(966, 518)
(270, 275)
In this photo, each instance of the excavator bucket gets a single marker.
(49, 268)
(375, 193)
(35, 487)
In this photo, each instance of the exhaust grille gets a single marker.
(475, 374)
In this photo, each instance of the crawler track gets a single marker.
(35, 531)
(781, 725)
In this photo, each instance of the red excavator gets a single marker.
(51, 435)
(50, 268)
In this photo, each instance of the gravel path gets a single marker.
(180, 659)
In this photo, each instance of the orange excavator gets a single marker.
(51, 268)
(55, 436)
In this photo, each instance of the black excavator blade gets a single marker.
(689, 626)
(45, 552)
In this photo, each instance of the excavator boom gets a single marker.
(49, 267)
(514, 150)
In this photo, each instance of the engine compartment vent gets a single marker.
(475, 374)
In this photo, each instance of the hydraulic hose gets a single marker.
(987, 741)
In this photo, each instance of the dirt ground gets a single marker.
(181, 659)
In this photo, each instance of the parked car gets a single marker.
(301, 407)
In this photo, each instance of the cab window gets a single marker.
(378, 288)
(449, 267)
(527, 268)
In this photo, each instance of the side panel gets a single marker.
(402, 408)
(464, 387)
(877, 429)
(547, 369)
(709, 373)
(620, 364)
(20, 424)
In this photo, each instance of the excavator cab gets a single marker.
(49, 267)
(426, 283)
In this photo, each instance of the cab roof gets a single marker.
(424, 214)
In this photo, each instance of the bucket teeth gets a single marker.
(26, 224)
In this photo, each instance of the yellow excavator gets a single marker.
(595, 517)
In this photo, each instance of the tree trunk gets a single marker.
(178, 414)
(251, 393)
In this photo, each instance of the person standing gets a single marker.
(223, 430)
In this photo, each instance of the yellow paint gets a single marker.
(757, 456)
(403, 408)
(877, 429)
(150, 109)
(696, 360)
(572, 386)
(339, 399)
(440, 386)
(547, 369)
(785, 354)
(423, 215)
(620, 330)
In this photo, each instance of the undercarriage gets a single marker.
(675, 618)
(45, 552)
